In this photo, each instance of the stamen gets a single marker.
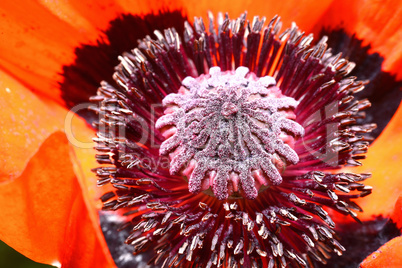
(247, 113)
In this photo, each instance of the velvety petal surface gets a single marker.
(39, 37)
(26, 121)
(388, 255)
(397, 214)
(44, 213)
(378, 23)
(384, 162)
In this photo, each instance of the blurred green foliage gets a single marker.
(9, 258)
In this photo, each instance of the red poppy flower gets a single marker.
(47, 190)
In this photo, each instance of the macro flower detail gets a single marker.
(56, 53)
(229, 126)
(206, 82)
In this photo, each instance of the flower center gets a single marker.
(229, 133)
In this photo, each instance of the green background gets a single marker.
(9, 258)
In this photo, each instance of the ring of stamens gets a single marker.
(285, 226)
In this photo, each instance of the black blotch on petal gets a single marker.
(360, 240)
(383, 91)
(95, 63)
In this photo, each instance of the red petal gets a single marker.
(389, 255)
(26, 121)
(36, 42)
(384, 160)
(46, 216)
(39, 37)
(397, 214)
(378, 23)
(96, 13)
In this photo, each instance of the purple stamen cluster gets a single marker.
(208, 126)
(229, 125)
